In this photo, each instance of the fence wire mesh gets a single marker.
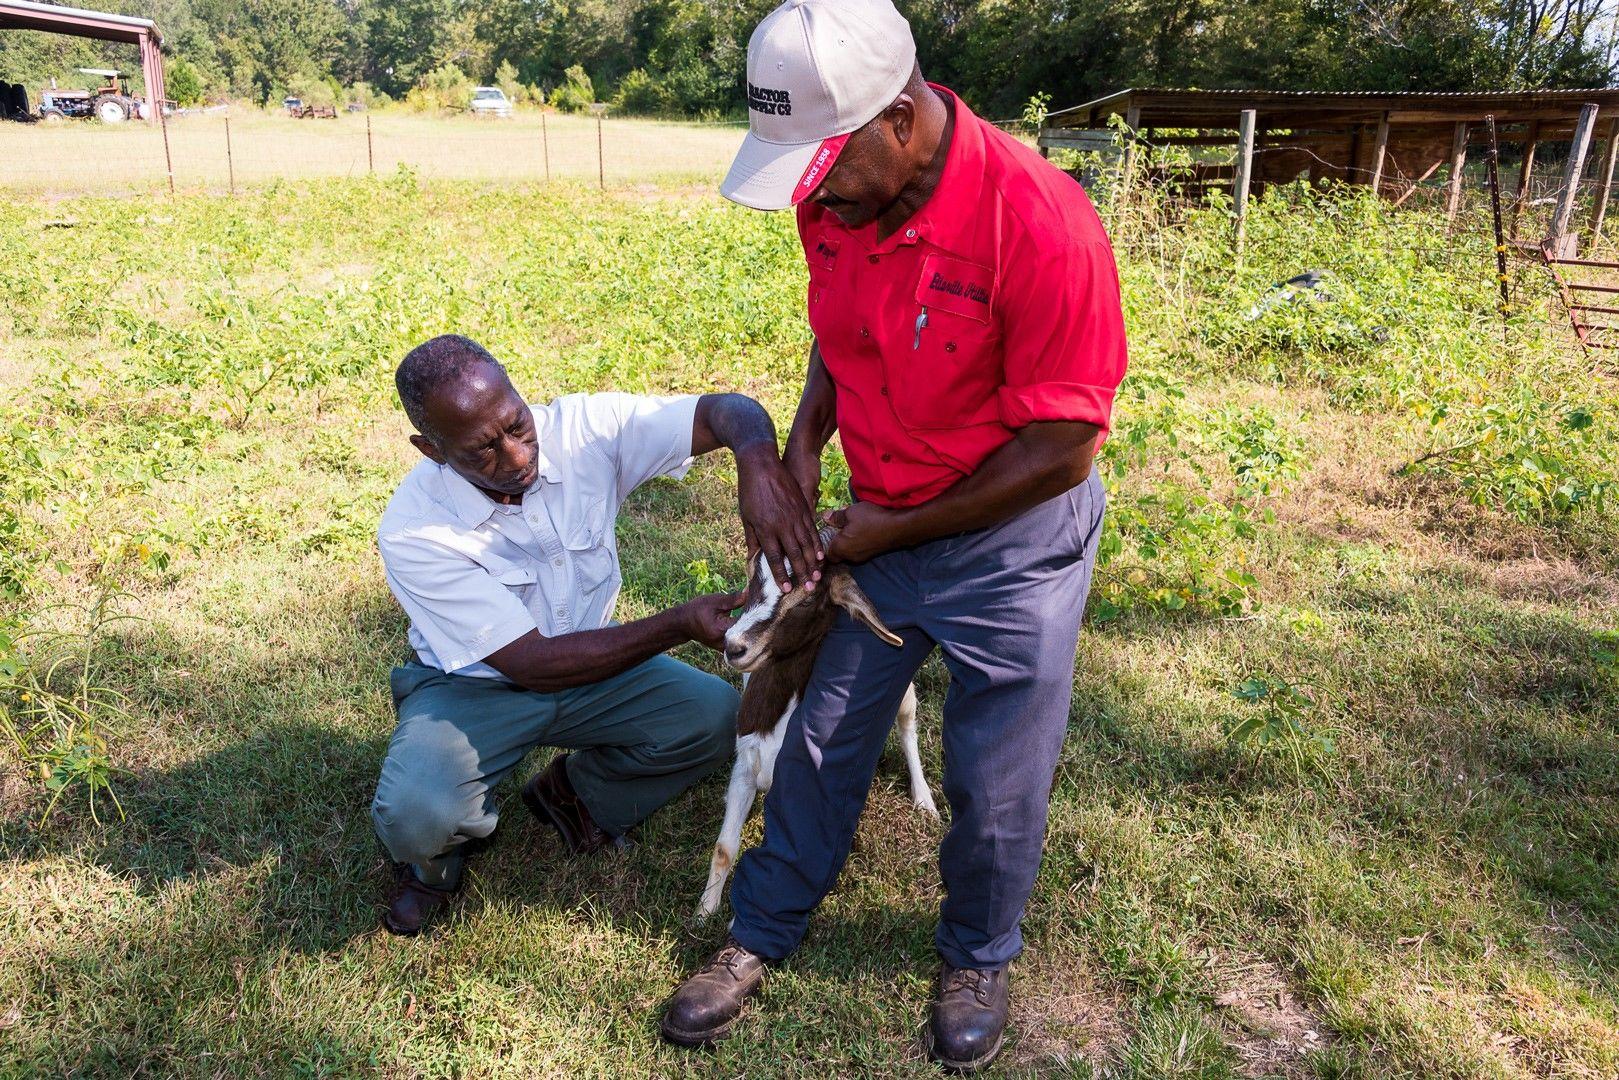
(215, 151)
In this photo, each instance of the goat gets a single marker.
(774, 643)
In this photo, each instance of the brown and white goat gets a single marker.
(774, 642)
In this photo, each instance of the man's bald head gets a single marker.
(469, 415)
(442, 366)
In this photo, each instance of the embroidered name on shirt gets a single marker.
(967, 289)
(769, 102)
(828, 253)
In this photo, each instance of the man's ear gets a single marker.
(851, 598)
(901, 116)
(425, 445)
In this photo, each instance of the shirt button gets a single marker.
(885, 391)
(871, 259)
(950, 346)
(562, 612)
(910, 234)
(556, 562)
(888, 457)
(864, 332)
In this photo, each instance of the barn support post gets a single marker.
(1526, 172)
(151, 79)
(1458, 162)
(1380, 152)
(1558, 239)
(1244, 177)
(1127, 169)
(1599, 209)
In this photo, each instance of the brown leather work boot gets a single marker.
(551, 798)
(703, 1008)
(969, 1018)
(410, 903)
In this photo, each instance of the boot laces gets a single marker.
(726, 959)
(957, 979)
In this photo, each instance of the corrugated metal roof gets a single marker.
(1348, 98)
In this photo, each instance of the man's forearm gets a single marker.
(547, 665)
(1035, 466)
(817, 415)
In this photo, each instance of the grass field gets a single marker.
(72, 158)
(1341, 791)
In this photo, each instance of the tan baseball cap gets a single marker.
(817, 71)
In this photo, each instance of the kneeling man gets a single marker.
(500, 548)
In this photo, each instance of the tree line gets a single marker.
(686, 57)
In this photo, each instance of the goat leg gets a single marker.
(738, 803)
(920, 795)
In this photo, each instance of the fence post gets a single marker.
(1494, 173)
(230, 158)
(1244, 177)
(545, 144)
(163, 122)
(601, 167)
(370, 152)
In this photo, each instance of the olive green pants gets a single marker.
(640, 738)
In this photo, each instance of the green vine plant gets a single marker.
(57, 709)
(1282, 722)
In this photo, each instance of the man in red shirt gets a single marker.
(968, 344)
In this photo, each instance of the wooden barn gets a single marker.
(1398, 143)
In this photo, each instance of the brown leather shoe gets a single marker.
(969, 1018)
(703, 1008)
(551, 798)
(410, 903)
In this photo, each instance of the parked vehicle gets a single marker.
(490, 101)
(14, 103)
(109, 104)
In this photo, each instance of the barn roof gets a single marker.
(56, 19)
(1178, 107)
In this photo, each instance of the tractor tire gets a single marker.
(112, 111)
(15, 103)
(52, 116)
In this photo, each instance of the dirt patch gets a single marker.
(1553, 580)
(1062, 1012)
(1270, 1027)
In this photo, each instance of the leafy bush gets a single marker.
(182, 81)
(444, 88)
(576, 92)
(640, 95)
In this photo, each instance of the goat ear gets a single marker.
(850, 597)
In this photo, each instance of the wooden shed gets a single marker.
(1396, 142)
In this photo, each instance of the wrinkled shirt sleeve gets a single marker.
(462, 610)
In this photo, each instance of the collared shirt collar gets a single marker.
(947, 214)
(472, 506)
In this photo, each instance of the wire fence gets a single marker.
(226, 150)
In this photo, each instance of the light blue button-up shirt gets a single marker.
(475, 575)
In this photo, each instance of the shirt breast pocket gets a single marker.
(954, 364)
(587, 542)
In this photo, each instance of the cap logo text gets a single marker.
(762, 99)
